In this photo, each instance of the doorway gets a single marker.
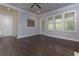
(7, 22)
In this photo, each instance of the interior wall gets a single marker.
(23, 30)
(62, 34)
(23, 15)
(8, 19)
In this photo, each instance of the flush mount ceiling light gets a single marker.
(38, 6)
(8, 8)
(38, 11)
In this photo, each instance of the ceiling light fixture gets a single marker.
(8, 8)
(38, 11)
(38, 6)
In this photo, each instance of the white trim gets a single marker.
(62, 14)
(26, 35)
(25, 11)
(41, 25)
(64, 38)
(75, 20)
(58, 22)
(48, 23)
(63, 8)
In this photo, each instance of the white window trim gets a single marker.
(55, 21)
(75, 27)
(63, 14)
(48, 23)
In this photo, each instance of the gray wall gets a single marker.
(23, 30)
(62, 34)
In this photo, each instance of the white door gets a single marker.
(42, 25)
(6, 25)
(0, 25)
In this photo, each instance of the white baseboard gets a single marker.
(67, 38)
(77, 40)
(26, 35)
(21, 36)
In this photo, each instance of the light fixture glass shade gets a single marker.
(38, 11)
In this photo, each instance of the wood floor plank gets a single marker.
(37, 45)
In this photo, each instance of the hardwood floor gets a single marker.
(38, 45)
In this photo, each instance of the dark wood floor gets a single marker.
(38, 45)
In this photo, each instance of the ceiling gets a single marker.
(46, 7)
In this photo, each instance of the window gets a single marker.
(58, 22)
(50, 24)
(69, 22)
(62, 22)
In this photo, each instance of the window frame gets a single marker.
(59, 22)
(48, 23)
(75, 16)
(63, 21)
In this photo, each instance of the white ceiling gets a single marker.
(46, 7)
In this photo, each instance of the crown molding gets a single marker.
(59, 9)
(18, 9)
